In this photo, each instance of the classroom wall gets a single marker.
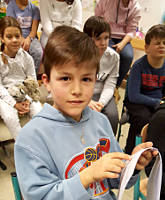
(152, 12)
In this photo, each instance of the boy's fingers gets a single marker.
(111, 175)
(119, 155)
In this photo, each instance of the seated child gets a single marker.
(69, 150)
(103, 100)
(15, 66)
(146, 85)
(28, 15)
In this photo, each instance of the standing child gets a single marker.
(59, 12)
(69, 150)
(15, 66)
(103, 100)
(146, 84)
(28, 15)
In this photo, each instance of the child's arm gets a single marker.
(134, 84)
(111, 79)
(34, 27)
(29, 66)
(45, 17)
(77, 15)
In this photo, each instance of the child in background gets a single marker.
(146, 85)
(28, 15)
(68, 149)
(15, 66)
(123, 17)
(103, 100)
(59, 12)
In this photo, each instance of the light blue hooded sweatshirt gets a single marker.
(49, 153)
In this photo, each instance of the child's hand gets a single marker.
(146, 156)
(26, 43)
(108, 166)
(95, 105)
(22, 107)
(118, 47)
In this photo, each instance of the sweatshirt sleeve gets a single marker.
(37, 181)
(110, 82)
(45, 17)
(134, 88)
(77, 15)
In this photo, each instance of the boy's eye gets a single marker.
(97, 38)
(86, 79)
(9, 36)
(65, 78)
(18, 36)
(106, 38)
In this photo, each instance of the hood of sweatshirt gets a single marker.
(52, 113)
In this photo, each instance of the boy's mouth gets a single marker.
(75, 102)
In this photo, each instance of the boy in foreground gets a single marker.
(68, 151)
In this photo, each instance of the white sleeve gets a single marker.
(77, 15)
(45, 17)
(110, 83)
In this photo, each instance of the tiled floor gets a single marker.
(6, 191)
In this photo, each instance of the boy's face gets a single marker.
(71, 87)
(102, 42)
(156, 48)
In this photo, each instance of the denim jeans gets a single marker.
(36, 52)
(126, 57)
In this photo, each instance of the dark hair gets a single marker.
(69, 2)
(6, 22)
(156, 31)
(96, 25)
(66, 44)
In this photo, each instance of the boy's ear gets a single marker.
(146, 47)
(45, 80)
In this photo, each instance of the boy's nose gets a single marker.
(14, 39)
(76, 89)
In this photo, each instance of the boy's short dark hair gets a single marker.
(156, 31)
(67, 44)
(96, 25)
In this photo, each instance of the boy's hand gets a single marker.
(146, 156)
(108, 166)
(95, 105)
